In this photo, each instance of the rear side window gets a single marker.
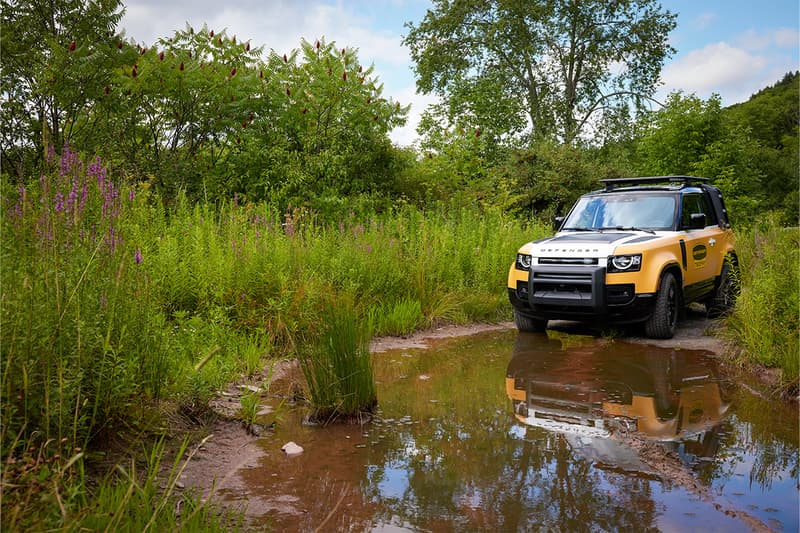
(696, 203)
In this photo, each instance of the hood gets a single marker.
(585, 244)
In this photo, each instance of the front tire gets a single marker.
(664, 321)
(528, 324)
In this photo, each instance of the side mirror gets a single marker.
(697, 221)
(557, 223)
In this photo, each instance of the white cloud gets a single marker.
(274, 25)
(734, 73)
(787, 38)
(761, 41)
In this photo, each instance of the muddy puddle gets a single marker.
(502, 431)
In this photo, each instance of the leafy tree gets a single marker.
(772, 116)
(174, 111)
(676, 137)
(773, 113)
(548, 66)
(545, 180)
(324, 133)
(457, 165)
(694, 136)
(57, 58)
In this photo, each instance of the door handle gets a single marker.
(712, 242)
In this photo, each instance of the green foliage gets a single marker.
(47, 488)
(545, 180)
(457, 166)
(325, 135)
(200, 112)
(766, 318)
(772, 117)
(494, 61)
(175, 109)
(397, 318)
(676, 137)
(74, 351)
(773, 113)
(693, 136)
(107, 299)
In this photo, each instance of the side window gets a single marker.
(695, 203)
(711, 215)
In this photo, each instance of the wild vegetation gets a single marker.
(176, 216)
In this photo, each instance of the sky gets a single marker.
(729, 47)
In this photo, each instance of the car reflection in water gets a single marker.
(595, 392)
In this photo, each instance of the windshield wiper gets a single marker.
(579, 229)
(629, 228)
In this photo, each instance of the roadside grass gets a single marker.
(110, 301)
(44, 491)
(765, 322)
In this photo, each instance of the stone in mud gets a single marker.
(290, 448)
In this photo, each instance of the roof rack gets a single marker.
(610, 184)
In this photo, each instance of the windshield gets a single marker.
(643, 211)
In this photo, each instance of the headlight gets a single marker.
(523, 262)
(625, 263)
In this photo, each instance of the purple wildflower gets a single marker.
(138, 256)
(73, 197)
(84, 196)
(59, 201)
(131, 195)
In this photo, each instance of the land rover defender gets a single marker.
(638, 250)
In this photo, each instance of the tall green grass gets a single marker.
(766, 320)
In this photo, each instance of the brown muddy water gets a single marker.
(503, 431)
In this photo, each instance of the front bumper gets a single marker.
(578, 293)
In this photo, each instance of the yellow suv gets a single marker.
(639, 250)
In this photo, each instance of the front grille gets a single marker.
(563, 281)
(567, 260)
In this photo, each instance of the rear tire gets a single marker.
(724, 298)
(529, 324)
(664, 321)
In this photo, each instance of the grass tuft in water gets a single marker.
(337, 365)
